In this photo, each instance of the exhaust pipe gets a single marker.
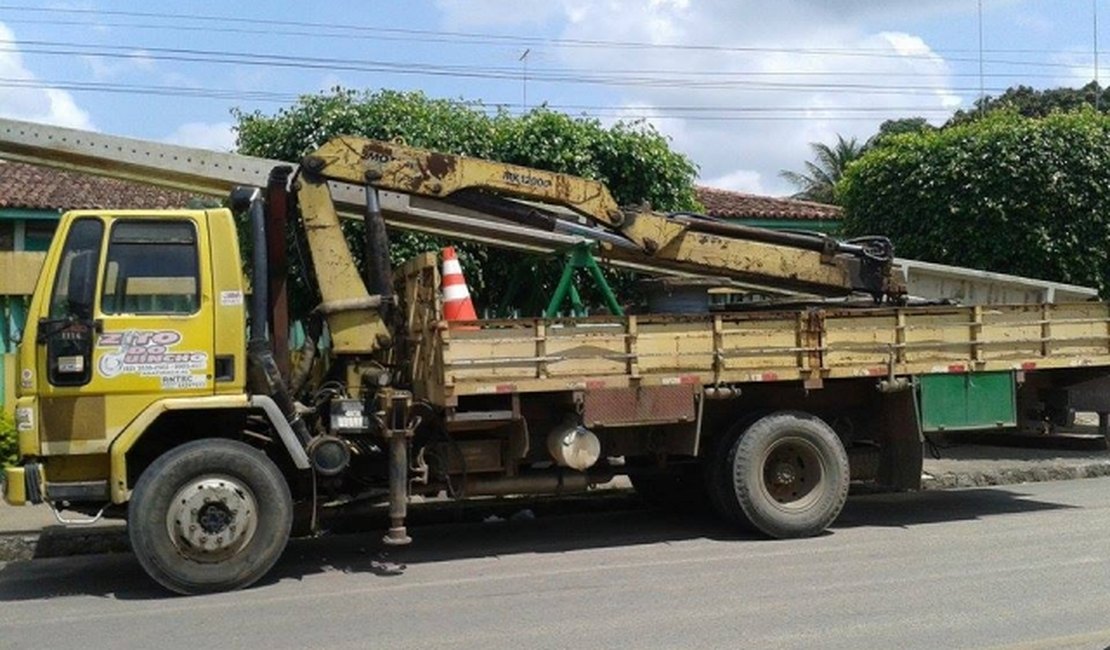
(263, 375)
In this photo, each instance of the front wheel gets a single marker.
(789, 474)
(210, 515)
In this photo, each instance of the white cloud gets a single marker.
(472, 13)
(762, 68)
(1034, 21)
(1076, 69)
(217, 136)
(104, 68)
(332, 80)
(740, 180)
(25, 98)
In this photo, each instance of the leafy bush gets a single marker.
(1028, 196)
(9, 444)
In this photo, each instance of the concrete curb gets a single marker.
(58, 541)
(1015, 475)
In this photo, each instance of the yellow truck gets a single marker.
(155, 383)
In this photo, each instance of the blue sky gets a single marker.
(741, 86)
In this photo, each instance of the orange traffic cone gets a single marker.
(456, 297)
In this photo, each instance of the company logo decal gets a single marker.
(527, 180)
(151, 353)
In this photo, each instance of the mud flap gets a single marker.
(901, 457)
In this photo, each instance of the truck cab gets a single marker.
(133, 310)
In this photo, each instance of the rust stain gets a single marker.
(377, 152)
(440, 165)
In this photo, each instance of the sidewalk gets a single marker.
(31, 531)
(980, 465)
(28, 532)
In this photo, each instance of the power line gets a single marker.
(715, 113)
(396, 33)
(469, 71)
(763, 81)
(982, 91)
(136, 51)
(1094, 28)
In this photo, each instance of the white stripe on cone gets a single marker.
(451, 267)
(453, 292)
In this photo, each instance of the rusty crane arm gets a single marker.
(792, 262)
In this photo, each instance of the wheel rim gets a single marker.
(793, 473)
(212, 518)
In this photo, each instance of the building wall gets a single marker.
(7, 235)
(24, 237)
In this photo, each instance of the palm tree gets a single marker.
(818, 182)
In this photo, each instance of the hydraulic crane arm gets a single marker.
(797, 262)
(436, 193)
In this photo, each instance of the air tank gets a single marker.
(573, 445)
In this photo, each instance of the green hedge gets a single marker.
(9, 445)
(1028, 196)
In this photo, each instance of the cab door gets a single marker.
(129, 322)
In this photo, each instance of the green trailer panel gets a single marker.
(974, 400)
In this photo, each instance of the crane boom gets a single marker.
(450, 214)
(801, 263)
(212, 173)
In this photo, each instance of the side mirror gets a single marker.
(81, 285)
(241, 197)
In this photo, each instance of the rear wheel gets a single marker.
(789, 474)
(210, 515)
(718, 474)
(784, 474)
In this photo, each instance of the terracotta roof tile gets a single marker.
(738, 205)
(44, 188)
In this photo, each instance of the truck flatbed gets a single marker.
(809, 345)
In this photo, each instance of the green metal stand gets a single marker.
(581, 257)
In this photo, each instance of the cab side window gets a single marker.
(77, 271)
(152, 269)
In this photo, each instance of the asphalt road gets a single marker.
(1018, 567)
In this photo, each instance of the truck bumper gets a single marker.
(15, 485)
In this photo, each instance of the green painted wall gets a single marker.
(25, 214)
(827, 226)
(13, 315)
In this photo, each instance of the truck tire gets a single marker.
(718, 474)
(789, 474)
(210, 515)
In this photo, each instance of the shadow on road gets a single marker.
(115, 575)
(119, 575)
(936, 506)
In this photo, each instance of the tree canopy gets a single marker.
(818, 181)
(1023, 195)
(1030, 102)
(632, 158)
